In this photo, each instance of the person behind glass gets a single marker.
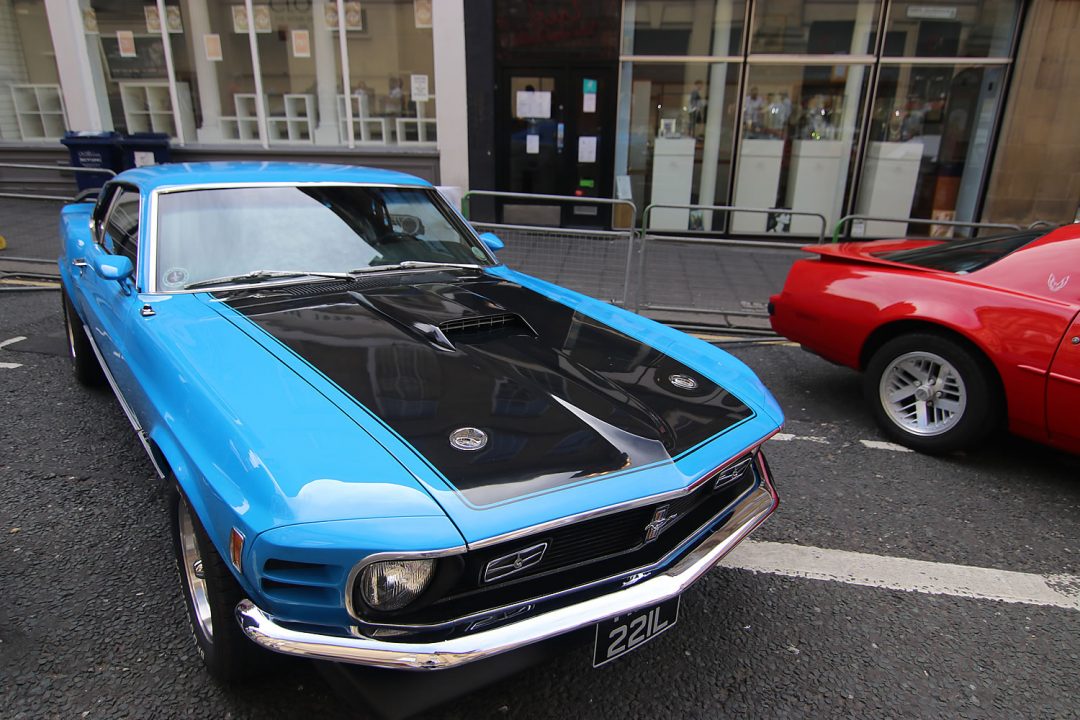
(395, 103)
(754, 113)
(697, 106)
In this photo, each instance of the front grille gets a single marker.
(586, 551)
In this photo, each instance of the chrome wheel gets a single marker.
(70, 333)
(923, 393)
(194, 574)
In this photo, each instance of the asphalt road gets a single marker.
(91, 623)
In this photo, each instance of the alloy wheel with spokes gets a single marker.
(933, 392)
(923, 393)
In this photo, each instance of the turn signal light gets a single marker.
(236, 549)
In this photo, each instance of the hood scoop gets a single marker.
(480, 326)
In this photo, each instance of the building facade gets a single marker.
(935, 109)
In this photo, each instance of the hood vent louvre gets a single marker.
(464, 328)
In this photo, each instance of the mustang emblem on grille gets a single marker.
(468, 438)
(515, 562)
(660, 522)
(732, 473)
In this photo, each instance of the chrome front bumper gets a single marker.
(360, 650)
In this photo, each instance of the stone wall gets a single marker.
(1036, 171)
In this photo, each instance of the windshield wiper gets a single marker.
(414, 264)
(260, 275)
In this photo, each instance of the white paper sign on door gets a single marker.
(533, 104)
(586, 149)
(532, 144)
(589, 103)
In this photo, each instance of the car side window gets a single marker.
(121, 235)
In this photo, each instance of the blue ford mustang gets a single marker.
(387, 449)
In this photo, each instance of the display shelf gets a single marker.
(148, 107)
(244, 125)
(366, 129)
(39, 111)
(424, 128)
(293, 119)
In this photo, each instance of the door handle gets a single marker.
(79, 262)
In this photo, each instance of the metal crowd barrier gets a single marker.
(596, 262)
(848, 220)
(645, 217)
(52, 168)
(715, 282)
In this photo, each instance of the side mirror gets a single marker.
(492, 241)
(115, 267)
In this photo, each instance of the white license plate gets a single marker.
(629, 631)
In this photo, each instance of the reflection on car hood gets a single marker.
(557, 397)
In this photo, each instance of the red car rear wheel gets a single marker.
(931, 393)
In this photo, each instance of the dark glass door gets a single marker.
(555, 136)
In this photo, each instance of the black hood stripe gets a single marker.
(561, 397)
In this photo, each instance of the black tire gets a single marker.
(964, 375)
(83, 360)
(226, 652)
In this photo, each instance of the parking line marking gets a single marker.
(882, 445)
(12, 341)
(787, 437)
(9, 366)
(892, 573)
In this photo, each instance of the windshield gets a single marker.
(259, 231)
(963, 256)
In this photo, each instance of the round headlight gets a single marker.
(393, 584)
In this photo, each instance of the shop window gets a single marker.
(814, 27)
(800, 131)
(683, 28)
(31, 106)
(682, 118)
(952, 30)
(929, 143)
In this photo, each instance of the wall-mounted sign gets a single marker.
(125, 42)
(301, 43)
(532, 144)
(212, 47)
(931, 12)
(172, 15)
(419, 87)
(422, 13)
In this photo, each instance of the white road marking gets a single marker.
(786, 437)
(11, 341)
(1062, 591)
(882, 445)
(9, 366)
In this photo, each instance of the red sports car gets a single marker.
(953, 336)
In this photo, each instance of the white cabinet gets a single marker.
(292, 119)
(756, 183)
(244, 125)
(39, 111)
(365, 128)
(888, 187)
(813, 182)
(148, 107)
(672, 181)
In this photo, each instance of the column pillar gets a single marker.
(82, 77)
(452, 117)
(205, 72)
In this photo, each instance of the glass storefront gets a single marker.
(266, 74)
(822, 107)
(31, 104)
